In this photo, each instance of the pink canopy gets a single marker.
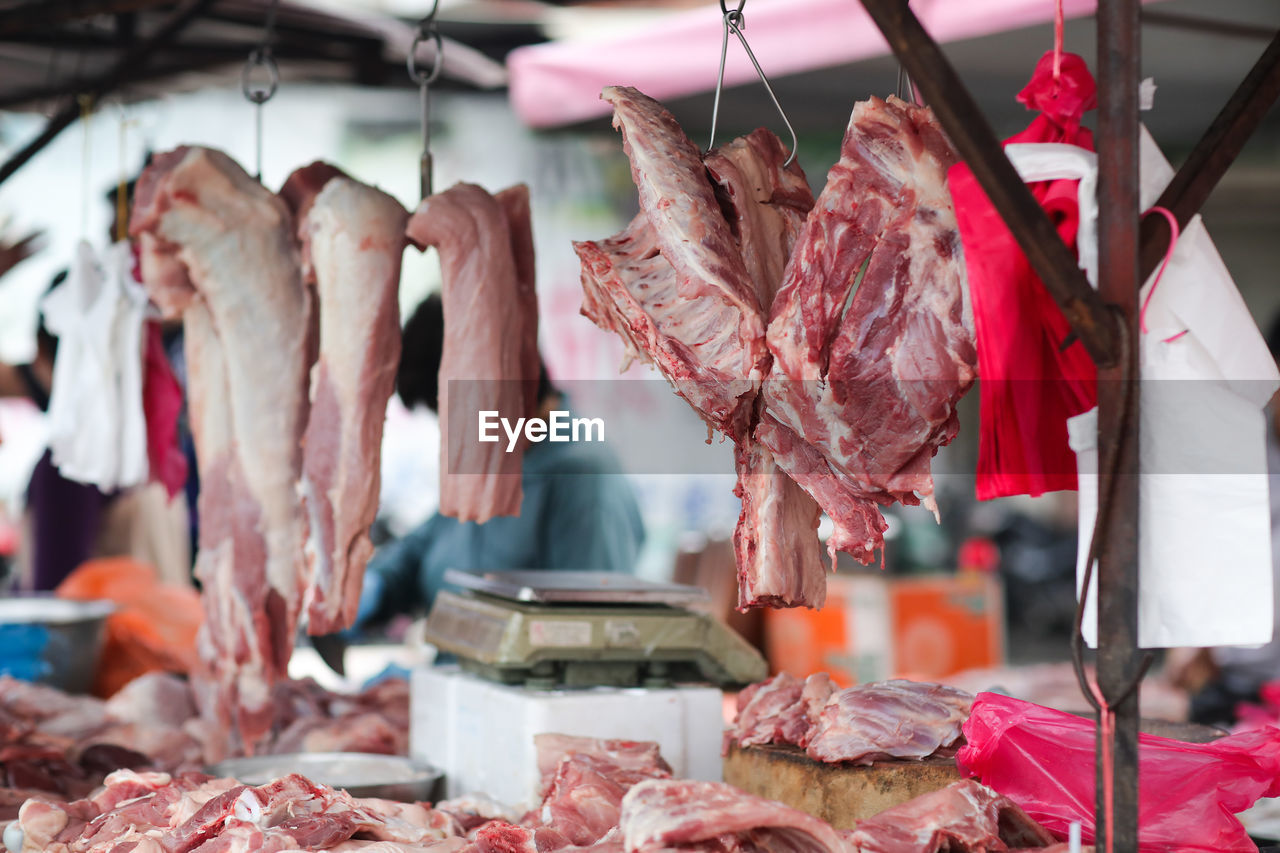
(560, 82)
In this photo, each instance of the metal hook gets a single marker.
(908, 92)
(427, 30)
(734, 20)
(261, 57)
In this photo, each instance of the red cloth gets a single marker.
(1029, 386)
(162, 403)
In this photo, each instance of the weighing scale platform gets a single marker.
(548, 629)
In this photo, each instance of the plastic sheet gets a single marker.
(1043, 760)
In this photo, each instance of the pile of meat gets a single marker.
(601, 796)
(829, 339)
(883, 720)
(59, 747)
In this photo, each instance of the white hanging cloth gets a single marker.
(97, 427)
(1204, 526)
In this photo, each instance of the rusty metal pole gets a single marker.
(1119, 60)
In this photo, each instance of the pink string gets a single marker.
(1174, 233)
(1057, 44)
(1107, 719)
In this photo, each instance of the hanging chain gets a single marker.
(258, 94)
(735, 22)
(428, 30)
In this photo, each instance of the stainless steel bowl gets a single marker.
(360, 774)
(52, 640)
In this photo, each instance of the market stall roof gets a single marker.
(53, 48)
(674, 56)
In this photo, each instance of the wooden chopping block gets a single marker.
(840, 794)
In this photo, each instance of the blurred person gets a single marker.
(1220, 679)
(578, 509)
(67, 522)
(63, 518)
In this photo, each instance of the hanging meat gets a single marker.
(675, 280)
(739, 213)
(490, 360)
(861, 383)
(219, 250)
(352, 238)
(871, 336)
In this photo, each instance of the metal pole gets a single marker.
(1119, 60)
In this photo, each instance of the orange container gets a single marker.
(872, 628)
(945, 624)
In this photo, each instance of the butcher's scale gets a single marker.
(548, 629)
(593, 654)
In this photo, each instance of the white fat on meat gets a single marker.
(489, 359)
(247, 324)
(353, 241)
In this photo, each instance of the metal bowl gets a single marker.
(360, 774)
(52, 640)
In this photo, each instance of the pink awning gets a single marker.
(559, 82)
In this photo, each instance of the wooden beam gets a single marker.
(1118, 661)
(1213, 154)
(202, 56)
(128, 64)
(981, 150)
(41, 14)
(1205, 26)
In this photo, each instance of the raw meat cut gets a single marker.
(585, 797)
(644, 285)
(627, 754)
(56, 746)
(782, 709)
(888, 719)
(515, 205)
(776, 541)
(490, 336)
(706, 309)
(861, 383)
(663, 814)
(961, 818)
(223, 248)
(352, 238)
(861, 527)
(870, 333)
(764, 203)
(586, 783)
(155, 812)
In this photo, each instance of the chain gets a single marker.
(428, 30)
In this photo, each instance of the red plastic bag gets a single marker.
(1043, 760)
(1029, 385)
